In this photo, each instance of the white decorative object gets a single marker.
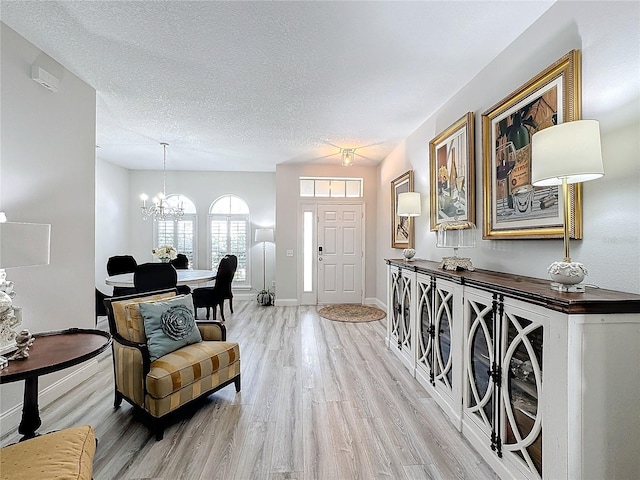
(456, 234)
(456, 263)
(165, 253)
(408, 254)
(561, 155)
(567, 276)
(24, 340)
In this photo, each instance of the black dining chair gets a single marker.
(101, 310)
(121, 264)
(212, 297)
(181, 262)
(148, 277)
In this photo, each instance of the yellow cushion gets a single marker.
(63, 455)
(129, 321)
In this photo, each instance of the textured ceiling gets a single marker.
(243, 86)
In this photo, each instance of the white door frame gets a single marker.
(311, 205)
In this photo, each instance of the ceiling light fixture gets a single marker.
(348, 155)
(160, 209)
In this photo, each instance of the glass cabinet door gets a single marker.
(521, 387)
(442, 323)
(405, 319)
(480, 352)
(424, 331)
(396, 308)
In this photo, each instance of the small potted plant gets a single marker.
(165, 253)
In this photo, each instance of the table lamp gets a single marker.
(21, 245)
(456, 234)
(561, 155)
(409, 206)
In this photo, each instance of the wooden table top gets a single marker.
(53, 351)
(532, 290)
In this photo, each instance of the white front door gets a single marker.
(339, 254)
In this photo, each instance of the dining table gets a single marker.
(185, 277)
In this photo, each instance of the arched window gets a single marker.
(181, 233)
(229, 229)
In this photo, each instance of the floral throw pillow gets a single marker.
(169, 325)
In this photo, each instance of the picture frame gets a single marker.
(452, 173)
(402, 228)
(513, 208)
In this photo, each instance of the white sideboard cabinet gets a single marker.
(543, 384)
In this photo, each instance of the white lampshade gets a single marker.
(409, 204)
(24, 244)
(264, 235)
(570, 150)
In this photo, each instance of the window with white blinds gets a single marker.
(181, 233)
(229, 229)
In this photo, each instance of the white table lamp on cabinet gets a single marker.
(561, 155)
(409, 206)
(21, 245)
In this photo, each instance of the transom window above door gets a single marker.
(335, 187)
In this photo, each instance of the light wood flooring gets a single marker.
(319, 400)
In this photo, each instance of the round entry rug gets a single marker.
(348, 312)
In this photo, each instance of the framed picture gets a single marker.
(513, 208)
(401, 227)
(452, 173)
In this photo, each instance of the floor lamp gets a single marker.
(264, 235)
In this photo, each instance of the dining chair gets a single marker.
(181, 262)
(118, 264)
(149, 277)
(212, 297)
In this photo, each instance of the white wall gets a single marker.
(47, 176)
(257, 189)
(112, 217)
(608, 34)
(288, 187)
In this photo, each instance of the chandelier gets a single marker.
(348, 155)
(160, 209)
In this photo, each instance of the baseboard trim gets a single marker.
(286, 302)
(10, 419)
(376, 302)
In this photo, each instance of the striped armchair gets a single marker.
(175, 379)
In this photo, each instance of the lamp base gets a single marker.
(566, 276)
(408, 254)
(561, 287)
(456, 263)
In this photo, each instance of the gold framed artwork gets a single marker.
(401, 227)
(453, 173)
(513, 208)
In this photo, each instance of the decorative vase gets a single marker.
(567, 273)
(265, 298)
(408, 254)
(165, 260)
